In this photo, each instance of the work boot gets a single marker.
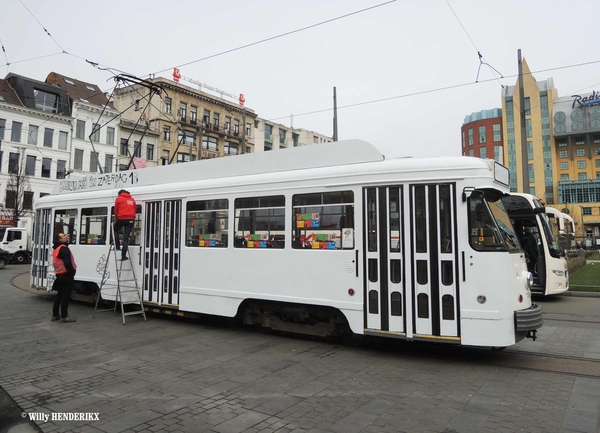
(67, 320)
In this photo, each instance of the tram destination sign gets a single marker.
(97, 182)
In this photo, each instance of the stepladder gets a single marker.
(124, 287)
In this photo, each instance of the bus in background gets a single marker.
(329, 240)
(537, 234)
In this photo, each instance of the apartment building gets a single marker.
(481, 135)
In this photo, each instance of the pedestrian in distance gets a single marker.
(65, 269)
(125, 209)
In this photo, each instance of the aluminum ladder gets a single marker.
(125, 274)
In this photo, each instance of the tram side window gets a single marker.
(260, 222)
(65, 222)
(135, 238)
(484, 234)
(206, 223)
(93, 226)
(323, 221)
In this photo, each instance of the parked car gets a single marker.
(4, 258)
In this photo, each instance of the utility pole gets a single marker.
(335, 126)
(524, 156)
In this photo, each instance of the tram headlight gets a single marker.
(529, 281)
(559, 273)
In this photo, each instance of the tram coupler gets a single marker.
(532, 334)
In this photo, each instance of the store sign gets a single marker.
(586, 101)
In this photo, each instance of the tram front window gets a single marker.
(489, 225)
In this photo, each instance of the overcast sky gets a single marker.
(415, 54)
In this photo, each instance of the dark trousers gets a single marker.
(119, 224)
(63, 286)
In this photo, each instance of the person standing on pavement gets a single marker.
(65, 269)
(125, 209)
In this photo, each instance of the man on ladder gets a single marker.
(125, 210)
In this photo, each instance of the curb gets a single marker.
(581, 294)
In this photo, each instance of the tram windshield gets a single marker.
(489, 225)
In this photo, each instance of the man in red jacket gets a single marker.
(125, 209)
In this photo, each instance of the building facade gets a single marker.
(481, 135)
(273, 136)
(96, 125)
(35, 137)
(192, 124)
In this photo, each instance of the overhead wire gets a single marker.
(42, 26)
(278, 36)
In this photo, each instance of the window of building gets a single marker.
(531, 173)
(482, 134)
(598, 163)
(598, 175)
(470, 132)
(209, 143)
(95, 133)
(268, 132)
(207, 223)
(268, 146)
(596, 150)
(78, 161)
(529, 150)
(168, 103)
(48, 134)
(586, 211)
(260, 222)
(61, 169)
(124, 149)
(186, 137)
(110, 136)
(579, 141)
(596, 139)
(206, 117)
(472, 152)
(582, 176)
(9, 201)
(564, 165)
(167, 133)
(108, 163)
(562, 143)
(46, 167)
(80, 129)
(532, 190)
(564, 177)
(483, 152)
(123, 167)
(527, 106)
(236, 126)
(498, 153)
(295, 138)
(497, 133)
(193, 114)
(149, 151)
(581, 164)
(93, 162)
(230, 148)
(183, 111)
(227, 124)
(323, 221)
(45, 101)
(580, 152)
(462, 135)
(63, 137)
(248, 127)
(563, 154)
(528, 128)
(32, 136)
(93, 226)
(281, 137)
(216, 119)
(28, 200)
(30, 165)
(2, 128)
(165, 157)
(137, 149)
(15, 133)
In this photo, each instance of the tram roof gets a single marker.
(334, 154)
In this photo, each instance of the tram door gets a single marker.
(384, 260)
(162, 243)
(411, 261)
(434, 264)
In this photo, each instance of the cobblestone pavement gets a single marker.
(177, 375)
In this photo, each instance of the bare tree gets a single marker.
(19, 199)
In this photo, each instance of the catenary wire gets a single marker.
(47, 32)
(278, 36)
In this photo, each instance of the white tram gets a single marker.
(546, 263)
(329, 239)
